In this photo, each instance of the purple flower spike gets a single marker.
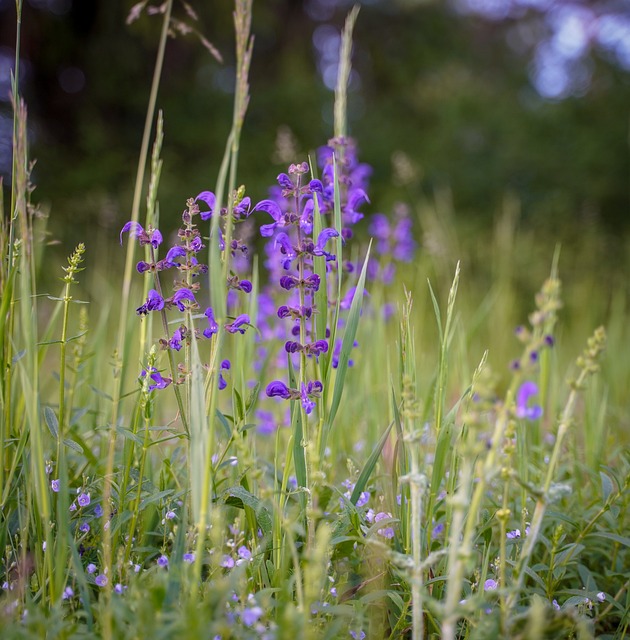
(278, 389)
(135, 229)
(209, 198)
(238, 323)
(142, 266)
(183, 294)
(525, 392)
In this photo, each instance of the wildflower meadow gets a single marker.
(288, 415)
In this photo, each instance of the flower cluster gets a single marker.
(183, 258)
(291, 249)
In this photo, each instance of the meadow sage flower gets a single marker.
(150, 236)
(237, 324)
(159, 382)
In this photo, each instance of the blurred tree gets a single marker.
(443, 89)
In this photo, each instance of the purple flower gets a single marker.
(213, 327)
(98, 511)
(154, 302)
(101, 580)
(324, 236)
(285, 182)
(244, 553)
(251, 616)
(158, 381)
(225, 365)
(54, 485)
(286, 248)
(386, 532)
(307, 403)
(176, 341)
(210, 199)
(237, 324)
(490, 585)
(135, 229)
(511, 535)
(118, 588)
(162, 561)
(272, 208)
(91, 568)
(172, 255)
(525, 392)
(84, 528)
(183, 294)
(188, 557)
(245, 285)
(83, 499)
(227, 562)
(279, 389)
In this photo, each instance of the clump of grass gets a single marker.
(272, 456)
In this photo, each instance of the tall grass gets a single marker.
(460, 469)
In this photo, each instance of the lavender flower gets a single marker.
(101, 580)
(162, 561)
(54, 485)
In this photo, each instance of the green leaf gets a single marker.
(346, 348)
(607, 485)
(51, 422)
(611, 536)
(368, 468)
(155, 497)
(237, 496)
(198, 431)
